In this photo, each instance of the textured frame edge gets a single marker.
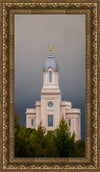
(54, 5)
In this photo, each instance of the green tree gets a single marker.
(21, 142)
(80, 147)
(50, 149)
(36, 140)
(21, 138)
(65, 144)
(30, 150)
(17, 124)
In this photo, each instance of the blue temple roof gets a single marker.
(51, 62)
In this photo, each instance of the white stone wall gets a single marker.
(55, 110)
(29, 118)
(54, 83)
(38, 114)
(63, 106)
(74, 116)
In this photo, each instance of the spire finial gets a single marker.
(50, 48)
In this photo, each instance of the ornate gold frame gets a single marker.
(8, 8)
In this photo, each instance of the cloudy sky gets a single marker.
(33, 34)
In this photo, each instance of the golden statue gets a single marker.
(50, 47)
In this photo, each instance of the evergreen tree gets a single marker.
(62, 139)
(50, 149)
(36, 140)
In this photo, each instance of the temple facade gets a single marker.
(51, 109)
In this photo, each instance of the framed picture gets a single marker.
(55, 80)
(49, 84)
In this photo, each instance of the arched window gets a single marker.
(32, 122)
(50, 76)
(69, 122)
(50, 120)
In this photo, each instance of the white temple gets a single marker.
(51, 109)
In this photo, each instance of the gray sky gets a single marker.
(33, 34)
